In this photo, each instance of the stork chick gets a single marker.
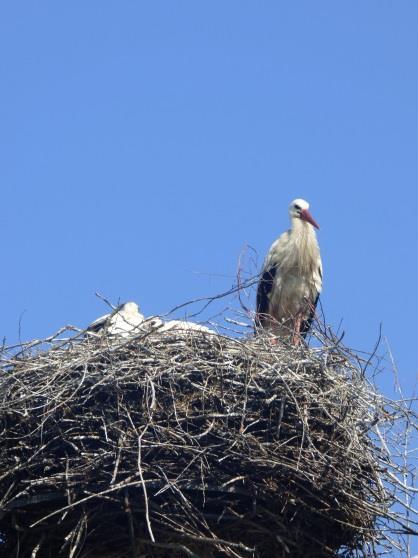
(124, 321)
(291, 278)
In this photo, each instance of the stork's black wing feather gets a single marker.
(306, 324)
(265, 286)
(98, 325)
(103, 321)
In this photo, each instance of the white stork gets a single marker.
(125, 320)
(291, 279)
(184, 327)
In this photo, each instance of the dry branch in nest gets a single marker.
(188, 444)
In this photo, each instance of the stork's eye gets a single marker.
(296, 206)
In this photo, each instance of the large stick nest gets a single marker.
(190, 444)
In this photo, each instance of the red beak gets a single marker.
(306, 216)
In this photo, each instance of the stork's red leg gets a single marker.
(296, 331)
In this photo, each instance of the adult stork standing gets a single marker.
(291, 279)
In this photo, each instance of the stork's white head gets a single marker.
(130, 308)
(299, 209)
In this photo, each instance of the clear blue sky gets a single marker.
(142, 142)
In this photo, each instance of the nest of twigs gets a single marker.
(189, 444)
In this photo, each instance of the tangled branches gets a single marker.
(191, 444)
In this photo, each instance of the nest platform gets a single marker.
(191, 445)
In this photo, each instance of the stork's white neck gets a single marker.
(305, 249)
(302, 227)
